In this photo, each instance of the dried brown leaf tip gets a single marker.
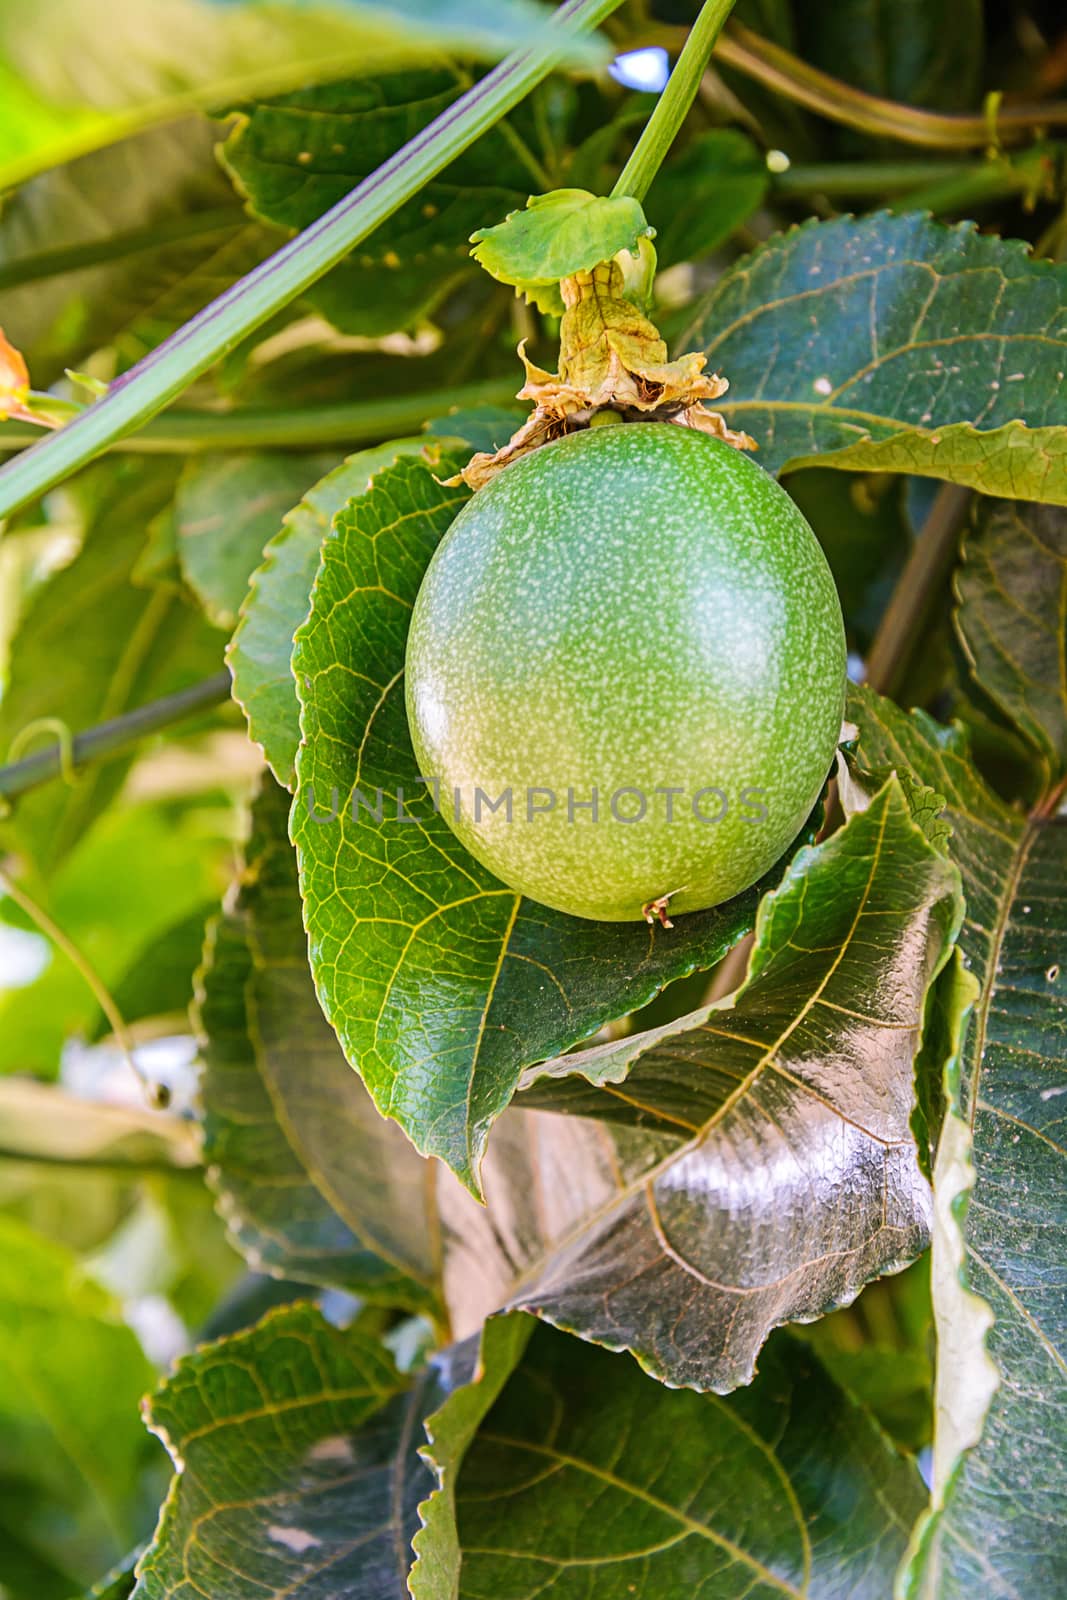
(611, 359)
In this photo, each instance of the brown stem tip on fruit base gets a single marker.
(611, 359)
(656, 910)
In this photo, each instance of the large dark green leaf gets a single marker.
(314, 1185)
(778, 1173)
(277, 602)
(225, 510)
(71, 1377)
(296, 1469)
(298, 155)
(897, 344)
(441, 983)
(922, 52)
(998, 1473)
(586, 1479)
(95, 644)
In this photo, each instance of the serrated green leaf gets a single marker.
(697, 200)
(312, 1183)
(293, 1444)
(858, 783)
(295, 156)
(588, 1479)
(277, 601)
(782, 1175)
(1011, 460)
(225, 510)
(1012, 619)
(71, 1376)
(861, 343)
(441, 983)
(94, 644)
(558, 234)
(997, 1247)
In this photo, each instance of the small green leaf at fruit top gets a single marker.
(558, 235)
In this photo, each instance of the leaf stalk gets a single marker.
(672, 107)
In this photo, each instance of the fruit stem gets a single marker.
(906, 617)
(673, 104)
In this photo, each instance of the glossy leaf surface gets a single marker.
(785, 1175)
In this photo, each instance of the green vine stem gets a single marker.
(673, 104)
(107, 737)
(906, 618)
(40, 917)
(307, 427)
(167, 370)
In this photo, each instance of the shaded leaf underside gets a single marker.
(587, 1479)
(783, 1173)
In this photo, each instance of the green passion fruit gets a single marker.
(626, 672)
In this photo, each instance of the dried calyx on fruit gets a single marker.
(592, 260)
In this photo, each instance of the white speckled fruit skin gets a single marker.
(636, 606)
